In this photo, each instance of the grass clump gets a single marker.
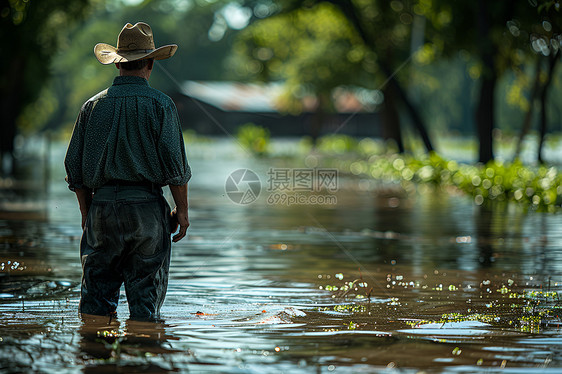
(254, 138)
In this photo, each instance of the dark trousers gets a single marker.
(126, 240)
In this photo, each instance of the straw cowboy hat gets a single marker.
(134, 43)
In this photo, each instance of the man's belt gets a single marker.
(116, 183)
(122, 183)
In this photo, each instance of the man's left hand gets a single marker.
(183, 222)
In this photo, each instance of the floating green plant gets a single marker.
(344, 308)
(500, 305)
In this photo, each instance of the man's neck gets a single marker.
(142, 73)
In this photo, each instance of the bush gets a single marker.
(337, 144)
(254, 139)
(537, 188)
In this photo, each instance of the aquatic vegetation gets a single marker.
(190, 136)
(538, 188)
(253, 138)
(498, 305)
(337, 144)
(357, 288)
(455, 317)
(344, 308)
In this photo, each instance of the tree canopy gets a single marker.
(500, 37)
(312, 50)
(437, 65)
(29, 36)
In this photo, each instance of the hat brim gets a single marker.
(108, 54)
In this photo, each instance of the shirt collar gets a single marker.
(129, 80)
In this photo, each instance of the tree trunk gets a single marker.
(10, 107)
(542, 125)
(553, 59)
(485, 111)
(349, 10)
(398, 92)
(529, 114)
(319, 117)
(485, 118)
(414, 114)
(483, 223)
(391, 119)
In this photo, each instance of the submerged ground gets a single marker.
(375, 280)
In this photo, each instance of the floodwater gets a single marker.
(378, 281)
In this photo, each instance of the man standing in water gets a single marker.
(126, 144)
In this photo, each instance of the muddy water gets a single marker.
(375, 282)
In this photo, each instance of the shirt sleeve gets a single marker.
(73, 158)
(171, 148)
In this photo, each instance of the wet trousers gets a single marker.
(126, 240)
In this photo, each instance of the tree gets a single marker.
(544, 34)
(477, 27)
(29, 38)
(385, 28)
(76, 75)
(312, 50)
(495, 34)
(372, 39)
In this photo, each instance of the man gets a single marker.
(127, 144)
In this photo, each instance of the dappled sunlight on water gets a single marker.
(377, 281)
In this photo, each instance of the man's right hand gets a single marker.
(84, 196)
(84, 218)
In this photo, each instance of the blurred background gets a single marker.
(416, 72)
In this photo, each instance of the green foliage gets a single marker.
(30, 36)
(313, 46)
(455, 27)
(538, 188)
(190, 136)
(312, 50)
(500, 37)
(337, 144)
(254, 138)
(76, 75)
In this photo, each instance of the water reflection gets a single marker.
(483, 223)
(107, 345)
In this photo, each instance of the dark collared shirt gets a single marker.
(128, 132)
